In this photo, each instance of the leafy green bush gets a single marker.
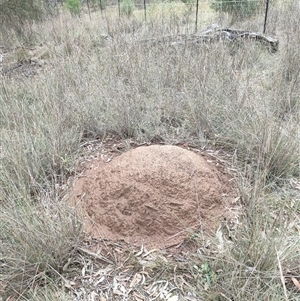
(237, 8)
(73, 6)
(127, 7)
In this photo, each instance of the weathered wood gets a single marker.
(215, 33)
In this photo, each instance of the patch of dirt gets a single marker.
(153, 195)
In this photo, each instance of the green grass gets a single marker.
(242, 100)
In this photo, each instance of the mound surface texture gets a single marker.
(152, 195)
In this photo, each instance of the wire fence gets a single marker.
(239, 9)
(261, 16)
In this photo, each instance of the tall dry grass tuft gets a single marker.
(255, 261)
(39, 232)
(37, 241)
(38, 136)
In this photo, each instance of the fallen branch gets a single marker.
(215, 33)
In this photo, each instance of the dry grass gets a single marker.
(101, 76)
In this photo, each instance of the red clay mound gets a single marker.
(152, 195)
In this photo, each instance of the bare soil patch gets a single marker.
(153, 195)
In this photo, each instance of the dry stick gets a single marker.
(282, 277)
(225, 297)
(149, 252)
(97, 256)
(180, 232)
(218, 34)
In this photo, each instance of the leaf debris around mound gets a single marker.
(123, 273)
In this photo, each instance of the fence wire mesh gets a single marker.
(193, 15)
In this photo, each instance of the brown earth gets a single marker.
(153, 195)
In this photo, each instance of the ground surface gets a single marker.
(153, 195)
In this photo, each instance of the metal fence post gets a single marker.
(196, 22)
(266, 16)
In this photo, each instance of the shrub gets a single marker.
(73, 6)
(127, 7)
(15, 13)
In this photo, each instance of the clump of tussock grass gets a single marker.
(254, 261)
(37, 241)
(287, 82)
(39, 233)
(39, 140)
